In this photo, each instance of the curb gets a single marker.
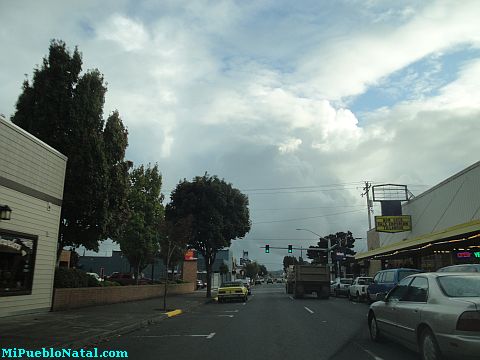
(98, 338)
(174, 313)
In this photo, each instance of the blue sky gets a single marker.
(270, 94)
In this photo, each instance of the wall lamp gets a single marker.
(5, 212)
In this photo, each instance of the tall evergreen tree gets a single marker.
(65, 110)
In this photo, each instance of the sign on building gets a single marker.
(392, 224)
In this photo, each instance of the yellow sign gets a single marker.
(392, 224)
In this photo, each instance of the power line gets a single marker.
(305, 218)
(310, 208)
(302, 187)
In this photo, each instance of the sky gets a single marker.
(296, 103)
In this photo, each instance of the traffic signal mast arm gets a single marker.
(300, 248)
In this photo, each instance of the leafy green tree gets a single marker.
(219, 215)
(344, 242)
(65, 109)
(262, 270)
(139, 239)
(252, 269)
(289, 260)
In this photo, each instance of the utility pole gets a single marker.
(369, 203)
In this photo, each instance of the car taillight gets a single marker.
(469, 321)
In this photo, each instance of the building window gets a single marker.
(17, 260)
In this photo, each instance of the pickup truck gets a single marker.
(358, 290)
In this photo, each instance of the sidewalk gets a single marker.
(86, 326)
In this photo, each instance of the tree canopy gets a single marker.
(140, 237)
(219, 214)
(344, 242)
(289, 260)
(64, 108)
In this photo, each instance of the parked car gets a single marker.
(461, 268)
(385, 280)
(258, 282)
(126, 279)
(95, 275)
(436, 314)
(340, 286)
(269, 281)
(200, 284)
(232, 291)
(358, 290)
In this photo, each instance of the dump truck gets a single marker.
(308, 279)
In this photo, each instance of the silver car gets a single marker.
(437, 314)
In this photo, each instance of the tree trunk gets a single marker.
(209, 277)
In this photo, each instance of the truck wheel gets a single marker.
(323, 292)
(299, 291)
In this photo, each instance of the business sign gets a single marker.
(190, 255)
(468, 254)
(393, 224)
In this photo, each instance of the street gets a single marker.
(271, 325)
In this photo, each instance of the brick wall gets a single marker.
(190, 271)
(65, 299)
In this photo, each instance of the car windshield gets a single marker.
(460, 286)
(346, 281)
(232, 284)
(365, 281)
(403, 274)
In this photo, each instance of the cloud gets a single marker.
(348, 64)
(258, 94)
(289, 146)
(127, 33)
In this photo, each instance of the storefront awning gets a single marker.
(452, 234)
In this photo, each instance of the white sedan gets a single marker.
(437, 314)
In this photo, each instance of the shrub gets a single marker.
(73, 278)
(107, 283)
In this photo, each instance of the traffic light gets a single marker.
(267, 248)
(290, 248)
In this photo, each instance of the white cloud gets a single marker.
(289, 146)
(347, 65)
(251, 91)
(127, 33)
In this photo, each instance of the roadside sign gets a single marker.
(393, 224)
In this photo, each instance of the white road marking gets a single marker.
(209, 336)
(230, 311)
(369, 352)
(244, 304)
(226, 316)
(310, 311)
(372, 355)
(291, 297)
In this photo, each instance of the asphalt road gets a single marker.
(271, 325)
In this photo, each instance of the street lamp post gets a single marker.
(329, 248)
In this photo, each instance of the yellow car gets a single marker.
(232, 290)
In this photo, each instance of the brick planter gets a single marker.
(72, 298)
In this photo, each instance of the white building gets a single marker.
(32, 177)
(445, 226)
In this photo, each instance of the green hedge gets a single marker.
(73, 278)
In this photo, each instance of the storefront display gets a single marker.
(17, 260)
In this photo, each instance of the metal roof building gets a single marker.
(445, 220)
